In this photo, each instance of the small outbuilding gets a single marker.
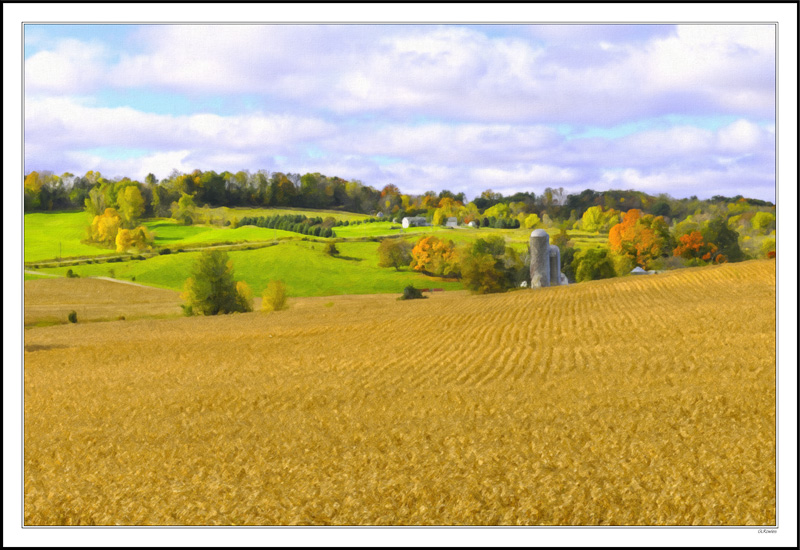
(639, 271)
(452, 222)
(414, 221)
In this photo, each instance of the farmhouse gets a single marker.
(639, 271)
(452, 222)
(414, 221)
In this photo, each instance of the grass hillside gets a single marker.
(633, 401)
(45, 232)
(303, 265)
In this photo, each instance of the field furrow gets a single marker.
(634, 401)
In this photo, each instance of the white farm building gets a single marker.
(414, 221)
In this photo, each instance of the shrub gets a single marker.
(72, 317)
(274, 296)
(244, 296)
(768, 247)
(624, 264)
(71, 275)
(568, 265)
(165, 251)
(592, 264)
(411, 293)
(482, 275)
(330, 249)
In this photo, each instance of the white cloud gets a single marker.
(744, 137)
(71, 67)
(441, 71)
(68, 124)
(159, 164)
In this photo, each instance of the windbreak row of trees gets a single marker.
(297, 223)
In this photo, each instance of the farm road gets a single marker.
(31, 272)
(121, 281)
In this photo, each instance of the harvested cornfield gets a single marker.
(635, 401)
(49, 301)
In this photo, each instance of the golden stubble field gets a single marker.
(635, 401)
(49, 301)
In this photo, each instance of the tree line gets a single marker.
(46, 191)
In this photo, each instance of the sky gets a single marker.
(678, 109)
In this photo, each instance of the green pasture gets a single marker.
(49, 235)
(302, 265)
(44, 232)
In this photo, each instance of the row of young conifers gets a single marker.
(635, 401)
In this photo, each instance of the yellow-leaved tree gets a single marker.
(435, 256)
(104, 227)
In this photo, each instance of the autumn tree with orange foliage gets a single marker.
(694, 248)
(642, 238)
(434, 256)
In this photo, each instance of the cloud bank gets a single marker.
(684, 110)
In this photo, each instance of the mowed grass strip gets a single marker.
(635, 401)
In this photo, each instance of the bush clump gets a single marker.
(411, 293)
(72, 317)
(274, 296)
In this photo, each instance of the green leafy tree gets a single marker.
(131, 205)
(394, 253)
(726, 239)
(763, 222)
(95, 203)
(211, 289)
(592, 264)
(184, 210)
(532, 221)
(489, 266)
(593, 219)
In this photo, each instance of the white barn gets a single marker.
(414, 221)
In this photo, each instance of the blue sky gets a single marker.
(678, 109)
